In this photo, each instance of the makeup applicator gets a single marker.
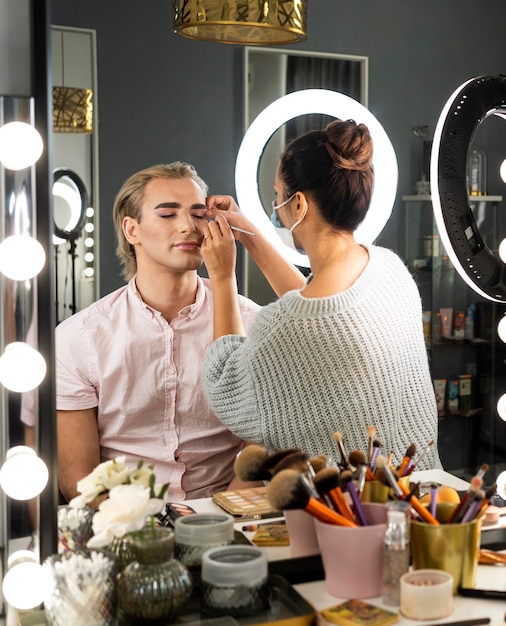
(248, 465)
(371, 433)
(342, 453)
(286, 491)
(376, 445)
(295, 460)
(349, 485)
(326, 481)
(356, 459)
(406, 459)
(397, 486)
(422, 456)
(460, 510)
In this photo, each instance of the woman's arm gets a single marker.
(219, 253)
(281, 275)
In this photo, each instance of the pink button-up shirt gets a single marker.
(143, 374)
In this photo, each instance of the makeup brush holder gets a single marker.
(301, 533)
(453, 548)
(353, 557)
(376, 491)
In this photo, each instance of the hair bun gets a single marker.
(349, 145)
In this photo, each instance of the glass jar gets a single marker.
(74, 527)
(234, 581)
(196, 533)
(154, 587)
(83, 588)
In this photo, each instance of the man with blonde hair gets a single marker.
(128, 366)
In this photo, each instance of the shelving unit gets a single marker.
(467, 355)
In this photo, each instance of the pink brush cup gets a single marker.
(353, 557)
(302, 533)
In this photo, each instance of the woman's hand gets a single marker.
(218, 250)
(227, 207)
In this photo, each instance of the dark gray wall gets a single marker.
(162, 97)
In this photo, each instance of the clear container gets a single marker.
(395, 556)
(477, 173)
(234, 581)
(196, 533)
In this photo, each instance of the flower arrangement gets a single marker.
(132, 497)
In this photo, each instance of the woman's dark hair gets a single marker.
(334, 167)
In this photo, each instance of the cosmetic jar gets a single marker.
(426, 594)
(196, 533)
(234, 581)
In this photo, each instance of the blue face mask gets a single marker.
(285, 234)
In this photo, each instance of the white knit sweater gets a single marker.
(311, 367)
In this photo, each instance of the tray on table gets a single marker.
(287, 608)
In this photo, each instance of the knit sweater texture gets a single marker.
(311, 367)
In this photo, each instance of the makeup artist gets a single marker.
(344, 351)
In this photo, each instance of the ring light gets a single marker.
(73, 194)
(327, 103)
(471, 103)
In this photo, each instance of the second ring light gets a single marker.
(325, 102)
(466, 108)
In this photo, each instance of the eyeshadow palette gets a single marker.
(246, 504)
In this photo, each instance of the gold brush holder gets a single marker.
(453, 548)
(376, 491)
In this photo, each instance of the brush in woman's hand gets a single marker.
(326, 481)
(286, 491)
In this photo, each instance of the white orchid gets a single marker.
(125, 510)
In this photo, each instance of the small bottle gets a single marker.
(477, 173)
(436, 328)
(395, 556)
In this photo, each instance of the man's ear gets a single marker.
(129, 226)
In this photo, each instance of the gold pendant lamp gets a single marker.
(248, 22)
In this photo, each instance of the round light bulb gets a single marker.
(501, 485)
(89, 257)
(21, 257)
(501, 407)
(22, 368)
(26, 584)
(501, 329)
(89, 272)
(89, 242)
(502, 250)
(502, 171)
(20, 145)
(23, 475)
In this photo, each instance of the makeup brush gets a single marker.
(371, 433)
(433, 498)
(356, 458)
(286, 491)
(406, 459)
(483, 470)
(273, 459)
(423, 455)
(248, 465)
(460, 510)
(474, 507)
(376, 445)
(295, 460)
(397, 486)
(349, 485)
(320, 462)
(326, 481)
(342, 453)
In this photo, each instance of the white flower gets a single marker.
(105, 476)
(142, 475)
(123, 512)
